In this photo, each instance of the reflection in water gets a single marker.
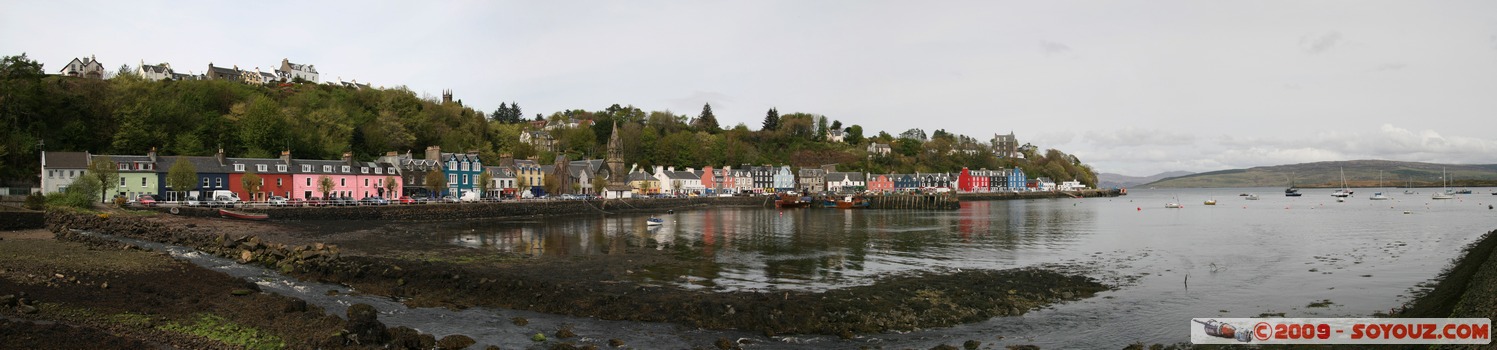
(735, 248)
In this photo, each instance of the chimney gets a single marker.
(152, 155)
(348, 158)
(673, 169)
(434, 153)
(390, 154)
(286, 157)
(222, 161)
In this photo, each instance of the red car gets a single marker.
(406, 200)
(145, 201)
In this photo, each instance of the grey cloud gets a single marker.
(1130, 136)
(1494, 42)
(1053, 48)
(1315, 44)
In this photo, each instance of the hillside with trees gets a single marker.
(1359, 173)
(130, 115)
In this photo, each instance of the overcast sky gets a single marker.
(1136, 87)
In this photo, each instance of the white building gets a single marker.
(1072, 185)
(878, 149)
(291, 71)
(60, 169)
(84, 67)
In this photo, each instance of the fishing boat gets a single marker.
(654, 221)
(1252, 197)
(242, 215)
(1342, 193)
(1442, 194)
(1244, 194)
(847, 202)
(1173, 205)
(1292, 192)
(790, 200)
(1378, 196)
(1211, 202)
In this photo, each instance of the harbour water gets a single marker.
(1239, 258)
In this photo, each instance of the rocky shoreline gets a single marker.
(604, 286)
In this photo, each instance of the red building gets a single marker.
(275, 178)
(881, 183)
(964, 181)
(709, 182)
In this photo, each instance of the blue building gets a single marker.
(213, 174)
(462, 170)
(1017, 182)
(784, 180)
(904, 182)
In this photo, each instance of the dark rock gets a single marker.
(615, 342)
(971, 344)
(563, 346)
(1023, 347)
(27, 309)
(943, 347)
(565, 332)
(589, 347)
(364, 327)
(405, 338)
(519, 321)
(295, 305)
(1067, 295)
(428, 341)
(723, 343)
(454, 342)
(8, 300)
(242, 292)
(845, 334)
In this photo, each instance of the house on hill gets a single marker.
(292, 71)
(83, 67)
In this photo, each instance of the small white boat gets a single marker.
(1378, 196)
(1173, 205)
(1252, 197)
(654, 221)
(1442, 194)
(1343, 192)
(1210, 202)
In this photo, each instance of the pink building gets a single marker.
(881, 183)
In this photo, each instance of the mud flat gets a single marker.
(608, 286)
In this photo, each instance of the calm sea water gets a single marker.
(1239, 258)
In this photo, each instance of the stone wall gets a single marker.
(506, 209)
(20, 219)
(997, 196)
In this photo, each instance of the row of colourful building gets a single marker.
(394, 175)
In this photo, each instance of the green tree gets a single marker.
(251, 183)
(484, 179)
(707, 121)
(599, 183)
(391, 182)
(436, 183)
(182, 176)
(107, 172)
(771, 120)
(854, 134)
(325, 185)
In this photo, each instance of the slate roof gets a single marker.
(67, 160)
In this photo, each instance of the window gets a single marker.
(342, 182)
(413, 180)
(123, 166)
(239, 168)
(280, 168)
(452, 179)
(327, 168)
(309, 181)
(345, 169)
(278, 182)
(363, 170)
(218, 182)
(452, 166)
(205, 182)
(390, 170)
(465, 179)
(262, 182)
(306, 168)
(122, 182)
(366, 182)
(378, 171)
(261, 168)
(142, 182)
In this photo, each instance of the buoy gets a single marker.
(1140, 208)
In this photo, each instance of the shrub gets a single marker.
(36, 201)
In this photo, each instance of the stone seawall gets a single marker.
(998, 196)
(19, 219)
(487, 210)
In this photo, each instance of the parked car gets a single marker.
(347, 201)
(371, 200)
(276, 201)
(145, 200)
(449, 199)
(296, 202)
(315, 202)
(406, 200)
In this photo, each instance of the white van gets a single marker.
(216, 198)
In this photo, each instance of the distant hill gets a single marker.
(1110, 180)
(1359, 173)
